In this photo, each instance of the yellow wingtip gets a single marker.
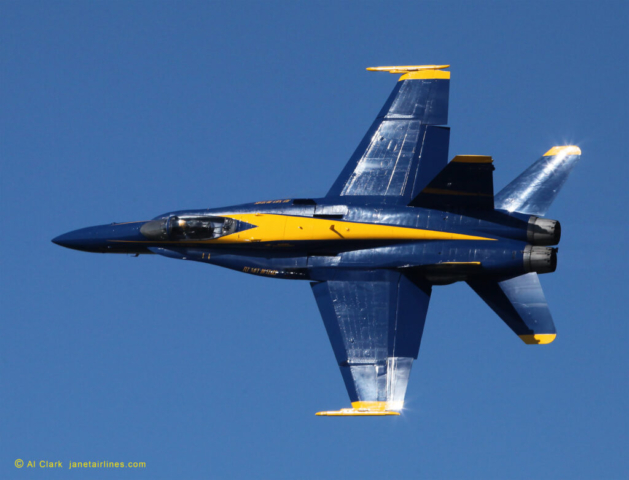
(364, 409)
(567, 149)
(350, 412)
(406, 68)
(539, 339)
(415, 72)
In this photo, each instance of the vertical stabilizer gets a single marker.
(537, 187)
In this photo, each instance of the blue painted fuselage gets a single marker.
(500, 252)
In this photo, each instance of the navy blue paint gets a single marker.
(97, 239)
(471, 184)
(406, 329)
(424, 100)
(400, 126)
(326, 308)
(433, 158)
(370, 318)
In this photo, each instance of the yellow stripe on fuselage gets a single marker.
(275, 228)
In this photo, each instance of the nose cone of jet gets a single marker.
(91, 239)
(114, 238)
(68, 240)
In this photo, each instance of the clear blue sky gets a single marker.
(120, 111)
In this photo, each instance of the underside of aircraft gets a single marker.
(398, 220)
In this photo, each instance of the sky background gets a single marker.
(120, 111)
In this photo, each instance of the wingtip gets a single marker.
(539, 339)
(566, 149)
(366, 409)
(353, 412)
(406, 68)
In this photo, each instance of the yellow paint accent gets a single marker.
(567, 149)
(539, 339)
(285, 228)
(459, 263)
(473, 159)
(445, 191)
(415, 72)
(372, 409)
(273, 228)
(406, 68)
(350, 412)
(376, 406)
(425, 75)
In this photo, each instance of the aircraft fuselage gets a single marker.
(308, 239)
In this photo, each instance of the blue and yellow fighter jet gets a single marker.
(398, 220)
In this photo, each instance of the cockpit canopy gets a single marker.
(174, 228)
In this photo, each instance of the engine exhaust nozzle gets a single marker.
(540, 259)
(543, 231)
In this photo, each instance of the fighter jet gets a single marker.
(398, 219)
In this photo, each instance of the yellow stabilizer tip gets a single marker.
(353, 412)
(539, 339)
(473, 159)
(415, 72)
(566, 149)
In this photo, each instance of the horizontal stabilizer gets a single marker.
(537, 187)
(521, 304)
(466, 182)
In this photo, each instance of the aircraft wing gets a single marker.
(405, 148)
(375, 321)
